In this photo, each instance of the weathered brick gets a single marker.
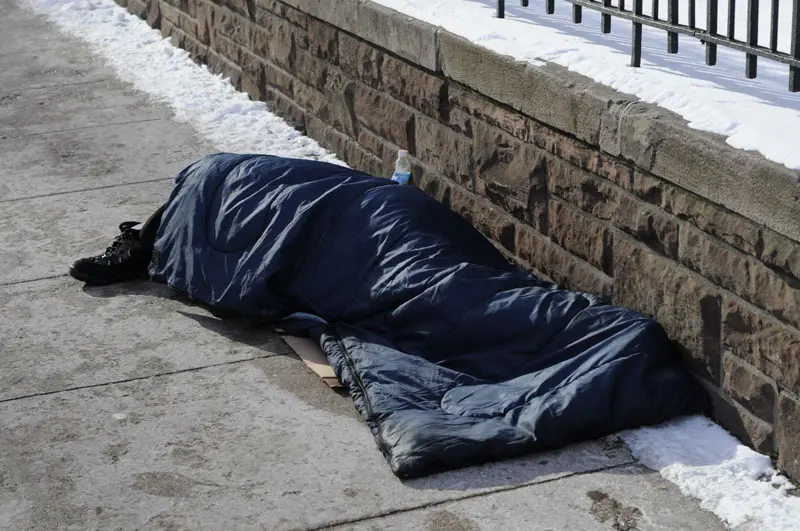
(253, 80)
(484, 109)
(166, 28)
(512, 174)
(311, 70)
(775, 250)
(286, 108)
(492, 222)
(187, 6)
(295, 16)
(345, 147)
(648, 224)
(264, 17)
(689, 307)
(154, 14)
(361, 61)
(413, 86)
(460, 121)
(168, 12)
(361, 159)
(763, 342)
(579, 153)
(229, 50)
(402, 81)
(219, 65)
(173, 14)
(340, 92)
(191, 6)
(607, 201)
(450, 153)
(311, 99)
(205, 21)
(780, 253)
(275, 43)
(726, 226)
(327, 136)
(745, 426)
(385, 116)
(278, 78)
(433, 184)
(231, 25)
(240, 7)
(740, 273)
(565, 269)
(333, 105)
(299, 36)
(581, 234)
(583, 189)
(750, 387)
(323, 40)
(197, 51)
(788, 434)
(137, 8)
(386, 152)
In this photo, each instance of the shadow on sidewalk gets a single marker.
(249, 331)
(609, 453)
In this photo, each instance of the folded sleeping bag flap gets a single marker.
(452, 355)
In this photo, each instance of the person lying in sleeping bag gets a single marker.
(452, 355)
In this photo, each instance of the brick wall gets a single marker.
(580, 184)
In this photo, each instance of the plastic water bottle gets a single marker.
(402, 168)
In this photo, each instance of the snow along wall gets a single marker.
(578, 182)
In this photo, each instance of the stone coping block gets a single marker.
(401, 34)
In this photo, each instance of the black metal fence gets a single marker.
(710, 36)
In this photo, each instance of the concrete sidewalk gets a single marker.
(128, 408)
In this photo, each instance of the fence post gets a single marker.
(711, 48)
(751, 60)
(794, 71)
(636, 51)
(577, 14)
(773, 27)
(672, 17)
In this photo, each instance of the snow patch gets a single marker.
(141, 56)
(734, 482)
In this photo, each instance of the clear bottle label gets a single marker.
(401, 177)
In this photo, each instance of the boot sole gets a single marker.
(94, 281)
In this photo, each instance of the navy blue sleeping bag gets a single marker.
(452, 355)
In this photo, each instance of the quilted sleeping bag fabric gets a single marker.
(452, 355)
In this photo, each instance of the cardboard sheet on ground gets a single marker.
(309, 351)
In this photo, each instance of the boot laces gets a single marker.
(121, 244)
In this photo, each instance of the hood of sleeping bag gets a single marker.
(452, 355)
